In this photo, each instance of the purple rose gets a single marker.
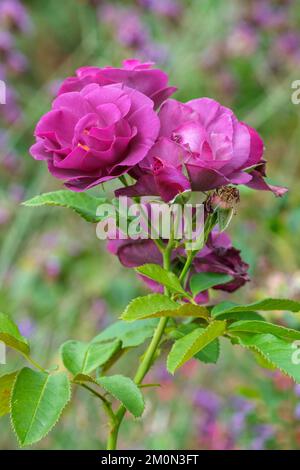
(134, 74)
(219, 256)
(201, 146)
(95, 134)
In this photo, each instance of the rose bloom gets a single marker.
(134, 74)
(98, 130)
(201, 146)
(218, 256)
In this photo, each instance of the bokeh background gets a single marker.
(56, 279)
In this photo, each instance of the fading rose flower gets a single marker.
(134, 74)
(202, 146)
(219, 256)
(95, 134)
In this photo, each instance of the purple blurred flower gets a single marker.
(6, 43)
(297, 412)
(99, 310)
(208, 401)
(26, 327)
(4, 215)
(17, 192)
(269, 16)
(13, 14)
(11, 112)
(156, 52)
(126, 24)
(297, 390)
(169, 8)
(288, 45)
(238, 421)
(243, 41)
(17, 62)
(52, 267)
(133, 34)
(263, 433)
(241, 405)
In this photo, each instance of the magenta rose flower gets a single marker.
(134, 74)
(201, 146)
(96, 134)
(218, 256)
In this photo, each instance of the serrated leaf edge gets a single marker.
(204, 331)
(150, 315)
(257, 350)
(113, 395)
(54, 424)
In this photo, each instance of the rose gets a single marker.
(202, 146)
(96, 134)
(218, 256)
(134, 74)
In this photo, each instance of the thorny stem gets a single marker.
(148, 358)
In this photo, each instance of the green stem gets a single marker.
(106, 404)
(124, 181)
(147, 361)
(187, 266)
(35, 364)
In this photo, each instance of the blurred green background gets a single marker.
(56, 279)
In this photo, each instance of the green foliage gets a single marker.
(162, 276)
(10, 335)
(148, 306)
(203, 281)
(238, 316)
(37, 402)
(82, 203)
(277, 352)
(130, 334)
(264, 327)
(6, 385)
(186, 347)
(84, 358)
(224, 218)
(264, 305)
(126, 391)
(210, 354)
(158, 305)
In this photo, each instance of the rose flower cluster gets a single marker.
(109, 122)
